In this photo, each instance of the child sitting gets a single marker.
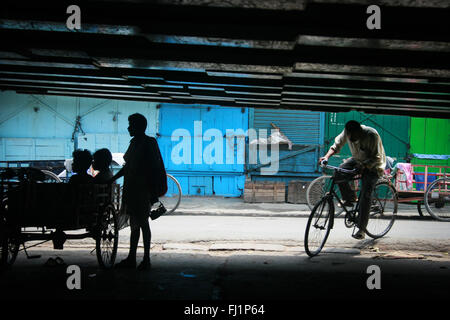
(82, 160)
(102, 163)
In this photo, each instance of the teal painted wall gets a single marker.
(395, 132)
(37, 127)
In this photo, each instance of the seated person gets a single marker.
(102, 163)
(389, 165)
(82, 160)
(403, 175)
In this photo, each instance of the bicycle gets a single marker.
(383, 211)
(170, 201)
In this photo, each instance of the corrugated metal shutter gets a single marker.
(301, 127)
(306, 131)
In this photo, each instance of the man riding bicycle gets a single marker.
(368, 157)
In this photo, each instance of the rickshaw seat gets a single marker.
(57, 204)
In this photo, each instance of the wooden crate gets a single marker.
(297, 191)
(264, 191)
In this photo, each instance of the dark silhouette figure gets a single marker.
(82, 160)
(102, 163)
(141, 174)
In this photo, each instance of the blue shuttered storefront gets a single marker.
(195, 147)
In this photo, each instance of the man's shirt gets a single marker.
(368, 149)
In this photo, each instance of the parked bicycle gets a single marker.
(382, 213)
(171, 200)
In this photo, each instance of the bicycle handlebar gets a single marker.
(324, 164)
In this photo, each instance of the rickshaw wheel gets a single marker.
(107, 238)
(9, 246)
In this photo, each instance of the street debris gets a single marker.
(400, 255)
(185, 275)
(342, 250)
(246, 247)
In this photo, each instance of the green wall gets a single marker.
(430, 136)
(394, 131)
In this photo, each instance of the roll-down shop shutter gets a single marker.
(305, 129)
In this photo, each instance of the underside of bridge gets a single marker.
(306, 54)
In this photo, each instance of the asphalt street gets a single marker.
(221, 258)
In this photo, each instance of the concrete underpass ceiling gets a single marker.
(313, 55)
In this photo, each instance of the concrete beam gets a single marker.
(357, 69)
(389, 44)
(250, 4)
(391, 3)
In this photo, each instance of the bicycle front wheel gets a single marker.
(383, 210)
(437, 199)
(319, 225)
(318, 188)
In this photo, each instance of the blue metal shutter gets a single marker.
(202, 178)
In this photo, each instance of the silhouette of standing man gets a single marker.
(141, 171)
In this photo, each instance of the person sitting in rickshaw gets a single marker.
(102, 163)
(82, 160)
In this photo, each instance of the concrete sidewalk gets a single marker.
(196, 205)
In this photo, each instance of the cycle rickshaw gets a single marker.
(32, 210)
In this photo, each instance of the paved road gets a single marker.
(230, 276)
(406, 232)
(224, 258)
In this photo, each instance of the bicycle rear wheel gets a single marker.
(318, 188)
(437, 199)
(51, 177)
(319, 225)
(171, 200)
(9, 245)
(383, 210)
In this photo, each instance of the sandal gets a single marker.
(53, 262)
(59, 261)
(50, 262)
